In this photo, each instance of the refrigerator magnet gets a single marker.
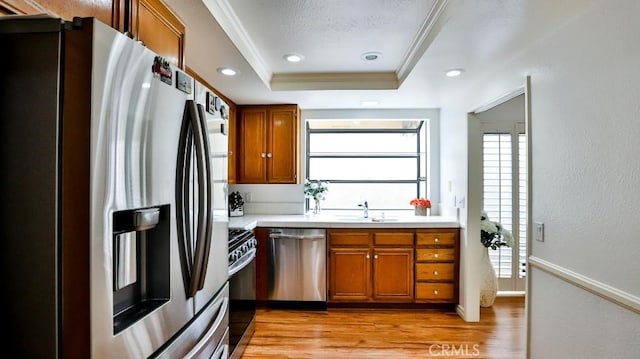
(211, 103)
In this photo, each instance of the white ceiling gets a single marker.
(419, 40)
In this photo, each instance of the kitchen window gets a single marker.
(383, 162)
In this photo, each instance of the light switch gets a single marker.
(538, 231)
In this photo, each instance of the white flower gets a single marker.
(507, 237)
(493, 234)
(488, 226)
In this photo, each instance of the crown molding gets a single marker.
(335, 81)
(432, 25)
(230, 23)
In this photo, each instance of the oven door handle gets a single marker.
(242, 262)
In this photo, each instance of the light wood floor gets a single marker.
(367, 333)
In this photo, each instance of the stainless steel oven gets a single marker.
(242, 290)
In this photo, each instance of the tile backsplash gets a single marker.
(271, 198)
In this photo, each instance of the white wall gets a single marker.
(271, 198)
(585, 133)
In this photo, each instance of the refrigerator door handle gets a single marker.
(206, 338)
(202, 121)
(183, 189)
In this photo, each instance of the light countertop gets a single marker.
(249, 222)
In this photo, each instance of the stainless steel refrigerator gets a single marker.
(112, 245)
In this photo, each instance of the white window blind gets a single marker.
(522, 199)
(505, 197)
(498, 193)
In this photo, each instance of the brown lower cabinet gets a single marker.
(437, 265)
(377, 266)
(393, 265)
(370, 266)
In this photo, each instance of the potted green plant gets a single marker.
(316, 190)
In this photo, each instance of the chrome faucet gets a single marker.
(365, 208)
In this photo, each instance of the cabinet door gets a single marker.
(160, 30)
(282, 148)
(253, 132)
(349, 276)
(393, 274)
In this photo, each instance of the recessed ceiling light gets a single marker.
(227, 71)
(369, 103)
(371, 56)
(293, 57)
(454, 72)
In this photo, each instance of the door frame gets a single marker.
(474, 197)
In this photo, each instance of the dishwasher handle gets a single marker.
(297, 236)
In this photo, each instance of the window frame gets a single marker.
(417, 156)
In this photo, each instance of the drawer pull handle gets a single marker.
(435, 255)
(375, 257)
(435, 292)
(368, 256)
(435, 273)
(436, 240)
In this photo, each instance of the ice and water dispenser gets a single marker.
(141, 263)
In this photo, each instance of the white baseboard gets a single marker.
(460, 311)
(506, 293)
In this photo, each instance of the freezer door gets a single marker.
(207, 336)
(136, 119)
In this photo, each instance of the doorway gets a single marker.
(505, 186)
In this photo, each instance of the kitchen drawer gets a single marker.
(434, 291)
(393, 239)
(435, 254)
(430, 239)
(435, 271)
(349, 238)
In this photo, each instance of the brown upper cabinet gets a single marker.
(268, 144)
(150, 21)
(101, 10)
(154, 24)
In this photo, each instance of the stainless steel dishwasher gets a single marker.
(297, 265)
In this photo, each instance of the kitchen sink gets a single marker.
(353, 218)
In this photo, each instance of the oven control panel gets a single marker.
(240, 243)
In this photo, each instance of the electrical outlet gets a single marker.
(247, 197)
(538, 231)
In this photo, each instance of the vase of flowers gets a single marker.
(493, 236)
(422, 206)
(316, 190)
